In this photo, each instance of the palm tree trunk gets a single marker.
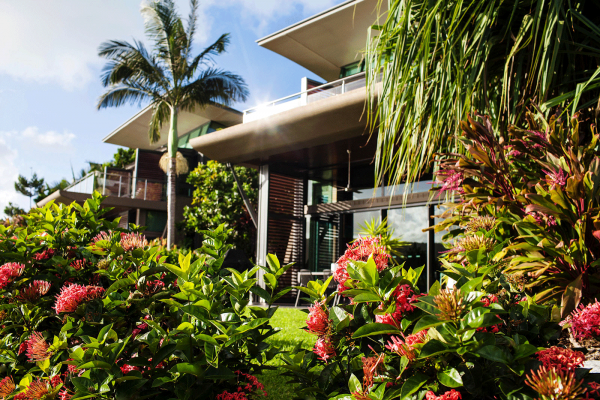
(172, 181)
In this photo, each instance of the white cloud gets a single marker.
(57, 41)
(8, 176)
(50, 139)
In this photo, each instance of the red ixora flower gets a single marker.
(64, 395)
(561, 359)
(132, 241)
(318, 321)
(34, 291)
(553, 384)
(324, 348)
(37, 348)
(79, 264)
(406, 347)
(584, 322)
(9, 272)
(7, 386)
(360, 250)
(44, 255)
(55, 381)
(37, 390)
(449, 395)
(107, 236)
(72, 296)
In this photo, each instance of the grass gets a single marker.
(290, 320)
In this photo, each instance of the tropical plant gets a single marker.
(385, 233)
(441, 59)
(29, 187)
(453, 343)
(88, 310)
(217, 200)
(536, 191)
(169, 77)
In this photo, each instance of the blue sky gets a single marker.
(49, 74)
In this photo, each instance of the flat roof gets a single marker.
(327, 41)
(134, 132)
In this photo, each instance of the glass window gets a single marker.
(408, 224)
(156, 221)
(360, 218)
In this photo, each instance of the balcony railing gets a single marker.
(120, 184)
(305, 97)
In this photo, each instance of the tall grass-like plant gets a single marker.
(441, 59)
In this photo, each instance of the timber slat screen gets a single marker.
(286, 226)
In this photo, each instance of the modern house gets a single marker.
(314, 154)
(137, 193)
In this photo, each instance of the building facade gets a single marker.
(315, 153)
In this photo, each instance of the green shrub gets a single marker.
(217, 201)
(91, 311)
(454, 343)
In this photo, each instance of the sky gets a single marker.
(49, 74)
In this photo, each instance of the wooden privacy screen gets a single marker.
(285, 234)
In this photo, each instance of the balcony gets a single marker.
(120, 183)
(305, 97)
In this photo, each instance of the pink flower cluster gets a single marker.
(37, 348)
(71, 296)
(449, 395)
(324, 348)
(489, 299)
(34, 291)
(79, 264)
(360, 250)
(561, 359)
(318, 321)
(252, 386)
(9, 272)
(403, 296)
(406, 347)
(584, 322)
(44, 255)
(132, 241)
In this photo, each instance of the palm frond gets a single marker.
(435, 61)
(214, 85)
(191, 26)
(118, 95)
(161, 113)
(218, 47)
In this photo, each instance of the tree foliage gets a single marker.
(169, 77)
(440, 60)
(217, 200)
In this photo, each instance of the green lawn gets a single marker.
(290, 320)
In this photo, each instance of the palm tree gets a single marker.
(443, 59)
(169, 77)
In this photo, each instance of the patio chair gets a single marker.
(303, 281)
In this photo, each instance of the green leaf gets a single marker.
(427, 321)
(187, 368)
(95, 364)
(164, 352)
(375, 329)
(433, 347)
(450, 377)
(413, 384)
(271, 280)
(494, 353)
(367, 297)
(369, 273)
(273, 263)
(524, 350)
(354, 384)
(120, 284)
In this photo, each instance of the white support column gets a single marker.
(263, 220)
(303, 88)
